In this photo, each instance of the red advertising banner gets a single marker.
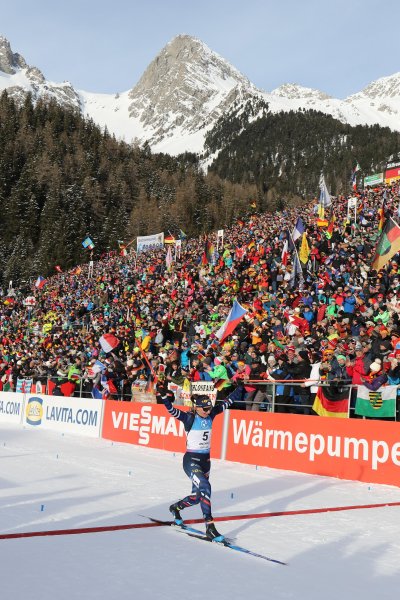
(355, 449)
(151, 425)
(392, 174)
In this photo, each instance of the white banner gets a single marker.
(11, 407)
(204, 388)
(70, 415)
(352, 202)
(149, 242)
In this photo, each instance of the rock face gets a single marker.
(186, 87)
(20, 79)
(293, 91)
(185, 90)
(10, 62)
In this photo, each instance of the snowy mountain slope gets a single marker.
(179, 97)
(185, 90)
(19, 79)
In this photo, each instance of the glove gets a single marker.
(161, 387)
(170, 397)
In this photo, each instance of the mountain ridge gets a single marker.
(185, 90)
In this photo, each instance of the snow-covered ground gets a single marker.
(50, 481)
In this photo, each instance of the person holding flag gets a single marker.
(356, 169)
(233, 319)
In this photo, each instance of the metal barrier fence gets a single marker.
(265, 399)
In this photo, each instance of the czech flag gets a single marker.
(236, 314)
(40, 281)
(108, 342)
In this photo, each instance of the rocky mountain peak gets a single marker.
(185, 56)
(10, 61)
(383, 88)
(185, 85)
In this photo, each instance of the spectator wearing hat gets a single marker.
(357, 366)
(185, 356)
(338, 373)
(219, 375)
(197, 372)
(376, 377)
(382, 315)
(381, 344)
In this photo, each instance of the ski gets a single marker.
(181, 526)
(200, 535)
(228, 544)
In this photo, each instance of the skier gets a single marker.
(196, 461)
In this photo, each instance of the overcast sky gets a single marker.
(337, 46)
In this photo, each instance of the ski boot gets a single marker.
(212, 533)
(175, 509)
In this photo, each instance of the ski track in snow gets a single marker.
(83, 483)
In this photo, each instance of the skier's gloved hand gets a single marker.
(162, 387)
(168, 397)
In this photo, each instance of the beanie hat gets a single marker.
(217, 361)
(303, 354)
(376, 365)
(342, 356)
(203, 401)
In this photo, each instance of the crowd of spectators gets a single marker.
(338, 322)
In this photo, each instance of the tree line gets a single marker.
(284, 154)
(62, 178)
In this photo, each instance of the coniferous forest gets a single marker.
(285, 153)
(62, 178)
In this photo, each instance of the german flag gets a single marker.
(332, 401)
(388, 244)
